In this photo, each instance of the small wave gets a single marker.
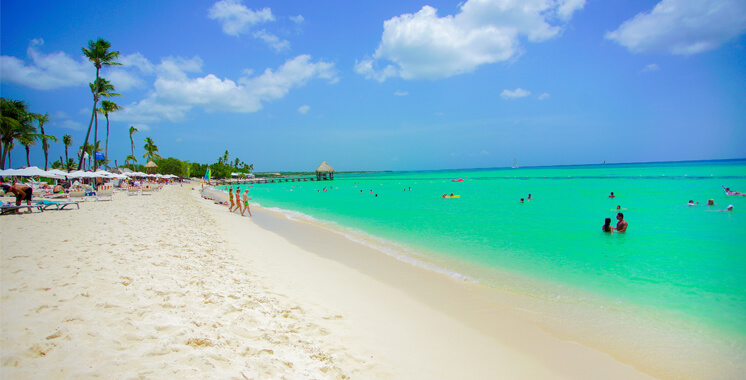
(387, 247)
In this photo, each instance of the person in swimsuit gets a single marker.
(607, 226)
(621, 226)
(238, 201)
(230, 198)
(22, 193)
(612, 195)
(246, 202)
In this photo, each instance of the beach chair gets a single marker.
(146, 190)
(76, 194)
(105, 192)
(11, 208)
(132, 190)
(58, 205)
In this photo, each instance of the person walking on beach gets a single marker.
(621, 226)
(230, 198)
(246, 202)
(238, 201)
(607, 225)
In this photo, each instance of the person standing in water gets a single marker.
(621, 226)
(246, 202)
(607, 226)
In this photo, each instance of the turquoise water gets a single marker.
(675, 261)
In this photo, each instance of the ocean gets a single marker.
(679, 268)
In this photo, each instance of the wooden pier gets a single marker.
(262, 180)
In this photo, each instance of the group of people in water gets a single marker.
(621, 225)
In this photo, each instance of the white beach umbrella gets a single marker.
(31, 171)
(103, 174)
(7, 172)
(58, 172)
(81, 174)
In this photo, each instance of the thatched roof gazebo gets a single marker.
(324, 172)
(150, 165)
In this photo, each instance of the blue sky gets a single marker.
(400, 85)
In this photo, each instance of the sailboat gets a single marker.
(515, 163)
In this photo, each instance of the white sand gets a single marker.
(171, 285)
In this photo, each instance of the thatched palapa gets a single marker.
(324, 172)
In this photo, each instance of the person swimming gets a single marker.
(612, 195)
(711, 202)
(691, 203)
(607, 225)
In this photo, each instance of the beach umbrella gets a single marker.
(81, 174)
(58, 172)
(31, 171)
(103, 173)
(7, 172)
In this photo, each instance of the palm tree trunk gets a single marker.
(3, 150)
(88, 134)
(28, 150)
(95, 140)
(106, 149)
(44, 147)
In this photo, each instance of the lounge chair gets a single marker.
(78, 194)
(146, 190)
(58, 205)
(9, 208)
(132, 190)
(105, 192)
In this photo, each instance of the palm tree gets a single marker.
(15, 122)
(107, 106)
(68, 141)
(41, 119)
(98, 53)
(132, 142)
(100, 88)
(130, 159)
(27, 140)
(151, 150)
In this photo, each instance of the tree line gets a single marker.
(19, 125)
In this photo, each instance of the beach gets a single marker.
(172, 285)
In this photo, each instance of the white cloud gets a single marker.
(236, 18)
(46, 71)
(72, 124)
(297, 19)
(58, 70)
(304, 109)
(517, 93)
(176, 93)
(544, 96)
(273, 41)
(651, 67)
(426, 46)
(682, 27)
(401, 93)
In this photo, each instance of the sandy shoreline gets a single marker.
(173, 285)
